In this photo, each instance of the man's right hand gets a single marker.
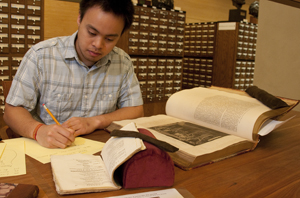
(55, 136)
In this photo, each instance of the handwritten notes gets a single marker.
(12, 161)
(42, 154)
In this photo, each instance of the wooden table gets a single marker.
(271, 170)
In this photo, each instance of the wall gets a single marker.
(277, 64)
(60, 16)
(209, 10)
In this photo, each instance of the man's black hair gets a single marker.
(123, 8)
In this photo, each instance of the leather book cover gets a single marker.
(11, 190)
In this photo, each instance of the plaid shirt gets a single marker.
(51, 73)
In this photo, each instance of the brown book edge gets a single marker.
(202, 160)
(24, 191)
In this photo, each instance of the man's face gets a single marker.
(98, 33)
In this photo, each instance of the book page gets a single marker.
(119, 149)
(79, 173)
(270, 125)
(222, 111)
(167, 128)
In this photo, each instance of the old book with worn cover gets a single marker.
(11, 190)
(126, 162)
(211, 124)
(81, 173)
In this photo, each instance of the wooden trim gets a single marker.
(293, 3)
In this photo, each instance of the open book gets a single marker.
(82, 173)
(210, 124)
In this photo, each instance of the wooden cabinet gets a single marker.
(199, 47)
(220, 54)
(21, 26)
(155, 43)
(234, 58)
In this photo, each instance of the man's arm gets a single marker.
(88, 125)
(50, 136)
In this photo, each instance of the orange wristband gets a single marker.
(35, 130)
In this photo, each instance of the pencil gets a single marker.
(52, 116)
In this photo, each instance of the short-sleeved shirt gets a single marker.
(51, 73)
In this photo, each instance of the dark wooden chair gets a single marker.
(5, 131)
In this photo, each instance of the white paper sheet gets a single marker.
(168, 193)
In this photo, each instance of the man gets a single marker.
(82, 79)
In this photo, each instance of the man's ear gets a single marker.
(78, 19)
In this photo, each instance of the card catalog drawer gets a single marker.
(142, 76)
(4, 48)
(151, 84)
(151, 76)
(133, 50)
(3, 28)
(33, 30)
(160, 83)
(161, 69)
(152, 68)
(4, 70)
(150, 98)
(17, 29)
(4, 38)
(16, 61)
(34, 2)
(4, 61)
(34, 20)
(17, 8)
(17, 19)
(4, 7)
(154, 12)
(3, 18)
(18, 38)
(33, 10)
(143, 50)
(17, 48)
(142, 69)
(143, 84)
(33, 39)
(160, 75)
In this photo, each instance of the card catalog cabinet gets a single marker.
(197, 72)
(199, 47)
(155, 43)
(21, 26)
(159, 77)
(234, 58)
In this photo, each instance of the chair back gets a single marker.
(6, 86)
(5, 131)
